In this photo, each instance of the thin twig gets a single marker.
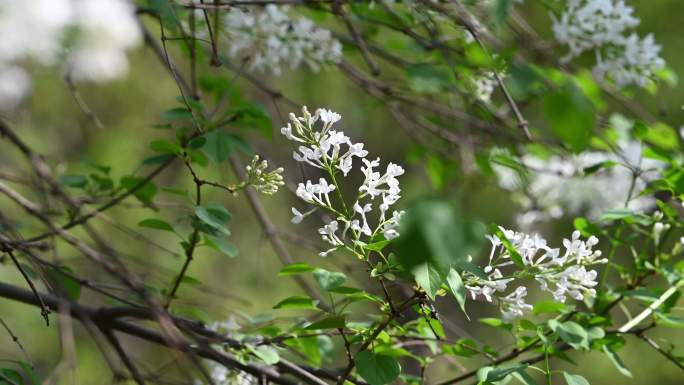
(470, 25)
(125, 359)
(16, 340)
(338, 8)
(87, 111)
(660, 350)
(44, 310)
(378, 329)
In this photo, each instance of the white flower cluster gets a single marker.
(484, 86)
(562, 275)
(333, 152)
(266, 182)
(269, 38)
(219, 374)
(602, 26)
(98, 33)
(106, 30)
(543, 191)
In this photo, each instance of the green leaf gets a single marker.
(165, 147)
(214, 215)
(525, 378)
(219, 145)
(501, 8)
(571, 115)
(156, 159)
(615, 359)
(669, 321)
(194, 104)
(33, 377)
(464, 347)
(542, 307)
(221, 245)
(434, 232)
(377, 369)
(489, 374)
(598, 166)
(376, 246)
(177, 113)
(428, 78)
(309, 347)
(64, 283)
(586, 228)
(512, 252)
(197, 314)
(266, 353)
(524, 80)
(616, 214)
(75, 181)
(457, 289)
(145, 193)
(190, 280)
(658, 134)
(11, 375)
(496, 322)
(334, 322)
(571, 332)
(428, 278)
(253, 116)
(575, 379)
(296, 302)
(295, 268)
(329, 280)
(156, 224)
(346, 290)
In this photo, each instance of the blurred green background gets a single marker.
(247, 285)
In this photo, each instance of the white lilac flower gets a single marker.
(333, 152)
(316, 193)
(389, 228)
(579, 251)
(15, 84)
(513, 305)
(329, 234)
(543, 190)
(601, 27)
(227, 327)
(589, 24)
(488, 288)
(362, 210)
(32, 29)
(219, 374)
(90, 37)
(631, 62)
(106, 30)
(269, 39)
(297, 216)
(484, 86)
(532, 249)
(324, 148)
(376, 184)
(575, 281)
(561, 274)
